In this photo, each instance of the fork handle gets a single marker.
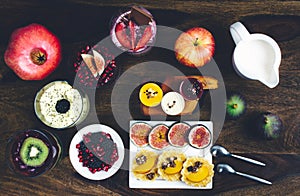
(254, 178)
(248, 160)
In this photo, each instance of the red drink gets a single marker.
(134, 30)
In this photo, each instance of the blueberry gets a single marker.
(150, 176)
(198, 164)
(62, 106)
(190, 168)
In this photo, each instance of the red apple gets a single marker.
(33, 52)
(195, 47)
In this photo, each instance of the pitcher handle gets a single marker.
(238, 32)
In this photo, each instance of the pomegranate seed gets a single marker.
(87, 140)
(105, 168)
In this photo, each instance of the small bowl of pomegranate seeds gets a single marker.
(96, 152)
(95, 67)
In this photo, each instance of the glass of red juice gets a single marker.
(133, 30)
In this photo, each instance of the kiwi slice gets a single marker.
(34, 152)
(235, 105)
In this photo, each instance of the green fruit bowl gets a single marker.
(30, 153)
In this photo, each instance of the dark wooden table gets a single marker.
(79, 23)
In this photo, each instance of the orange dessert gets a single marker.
(150, 94)
(197, 172)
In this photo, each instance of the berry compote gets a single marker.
(191, 89)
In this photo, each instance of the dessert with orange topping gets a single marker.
(144, 165)
(197, 172)
(150, 94)
(170, 164)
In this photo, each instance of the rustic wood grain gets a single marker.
(78, 23)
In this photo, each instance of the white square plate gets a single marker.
(188, 150)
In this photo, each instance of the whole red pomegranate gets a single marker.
(33, 52)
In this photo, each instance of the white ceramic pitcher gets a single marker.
(256, 56)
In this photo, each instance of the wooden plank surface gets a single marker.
(78, 23)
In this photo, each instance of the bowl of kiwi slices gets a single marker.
(32, 152)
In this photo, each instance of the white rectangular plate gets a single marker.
(188, 150)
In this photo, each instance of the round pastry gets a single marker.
(150, 94)
(144, 165)
(197, 172)
(172, 103)
(59, 105)
(170, 164)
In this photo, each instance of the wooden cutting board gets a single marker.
(172, 84)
